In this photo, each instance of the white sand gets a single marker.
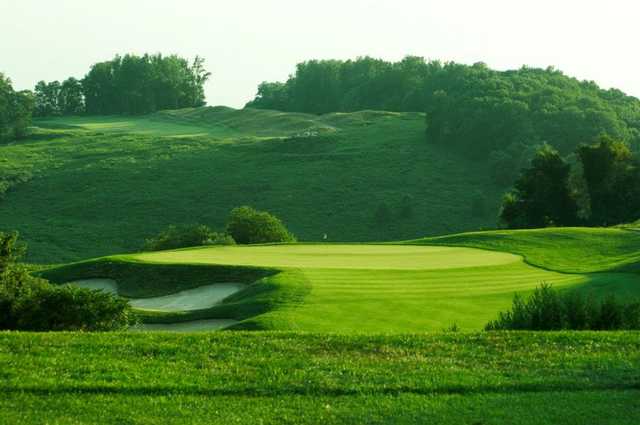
(106, 285)
(190, 299)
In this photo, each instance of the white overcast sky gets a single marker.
(245, 42)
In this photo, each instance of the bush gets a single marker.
(248, 226)
(73, 309)
(546, 309)
(185, 236)
(29, 303)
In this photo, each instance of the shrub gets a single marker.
(546, 309)
(248, 226)
(73, 309)
(29, 303)
(185, 236)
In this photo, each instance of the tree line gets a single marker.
(127, 85)
(600, 187)
(15, 110)
(474, 109)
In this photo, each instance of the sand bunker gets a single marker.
(106, 285)
(190, 299)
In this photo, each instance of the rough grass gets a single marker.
(294, 378)
(101, 185)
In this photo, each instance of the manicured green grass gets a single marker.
(331, 256)
(115, 124)
(348, 288)
(101, 185)
(297, 378)
(571, 250)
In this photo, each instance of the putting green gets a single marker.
(328, 256)
(353, 288)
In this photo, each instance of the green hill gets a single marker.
(370, 288)
(83, 187)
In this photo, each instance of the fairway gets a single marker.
(347, 256)
(351, 288)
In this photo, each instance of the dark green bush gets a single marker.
(74, 309)
(185, 236)
(248, 226)
(30, 303)
(546, 309)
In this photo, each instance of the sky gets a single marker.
(246, 42)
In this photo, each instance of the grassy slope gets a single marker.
(293, 378)
(570, 250)
(375, 288)
(102, 185)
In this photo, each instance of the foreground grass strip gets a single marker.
(240, 377)
(235, 363)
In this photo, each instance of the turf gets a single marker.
(343, 256)
(347, 288)
(101, 185)
(571, 250)
(297, 378)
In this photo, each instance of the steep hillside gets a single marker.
(85, 186)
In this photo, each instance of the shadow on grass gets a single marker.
(321, 391)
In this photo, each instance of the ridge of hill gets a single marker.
(84, 187)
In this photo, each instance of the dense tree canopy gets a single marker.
(541, 196)
(15, 110)
(612, 179)
(606, 179)
(133, 84)
(472, 108)
(128, 85)
(55, 98)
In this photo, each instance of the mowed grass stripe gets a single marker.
(358, 288)
(425, 300)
